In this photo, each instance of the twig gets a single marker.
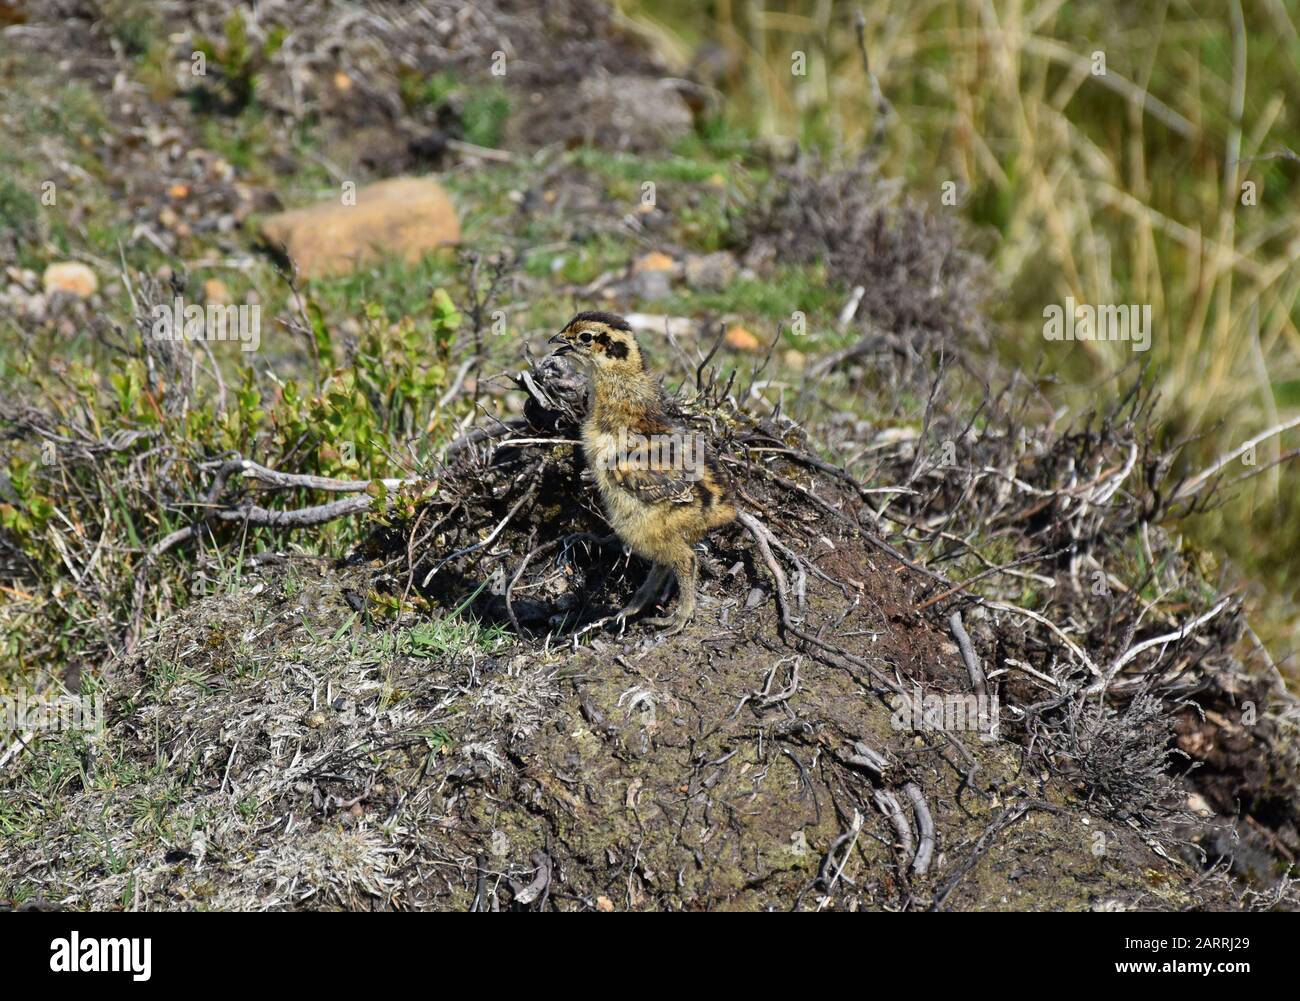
(925, 851)
(958, 588)
(850, 309)
(527, 495)
(480, 152)
(888, 804)
(1179, 634)
(883, 108)
(454, 389)
(867, 757)
(1073, 647)
(255, 470)
(973, 668)
(851, 838)
(1193, 485)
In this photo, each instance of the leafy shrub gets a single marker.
(104, 488)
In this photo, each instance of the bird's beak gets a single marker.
(565, 346)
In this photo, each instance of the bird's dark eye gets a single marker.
(585, 337)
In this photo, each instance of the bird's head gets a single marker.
(603, 342)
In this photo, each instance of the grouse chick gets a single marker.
(660, 491)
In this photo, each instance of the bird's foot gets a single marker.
(670, 624)
(618, 619)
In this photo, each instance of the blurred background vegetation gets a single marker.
(1112, 152)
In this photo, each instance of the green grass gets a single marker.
(773, 299)
(634, 170)
(581, 263)
(437, 639)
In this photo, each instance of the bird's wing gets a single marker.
(663, 466)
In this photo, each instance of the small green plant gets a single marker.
(17, 210)
(240, 60)
(62, 505)
(484, 117)
(134, 23)
(483, 108)
(439, 638)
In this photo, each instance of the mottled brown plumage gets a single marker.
(659, 489)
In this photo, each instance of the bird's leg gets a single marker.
(647, 592)
(687, 571)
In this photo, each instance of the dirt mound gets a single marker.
(442, 722)
(275, 747)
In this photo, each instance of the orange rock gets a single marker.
(70, 278)
(741, 339)
(178, 191)
(215, 292)
(342, 82)
(406, 217)
(654, 261)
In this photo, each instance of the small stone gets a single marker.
(179, 191)
(31, 305)
(216, 292)
(650, 285)
(167, 217)
(795, 360)
(22, 276)
(756, 597)
(604, 904)
(654, 261)
(741, 339)
(70, 278)
(623, 112)
(314, 720)
(342, 82)
(711, 272)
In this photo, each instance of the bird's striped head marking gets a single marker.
(602, 340)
